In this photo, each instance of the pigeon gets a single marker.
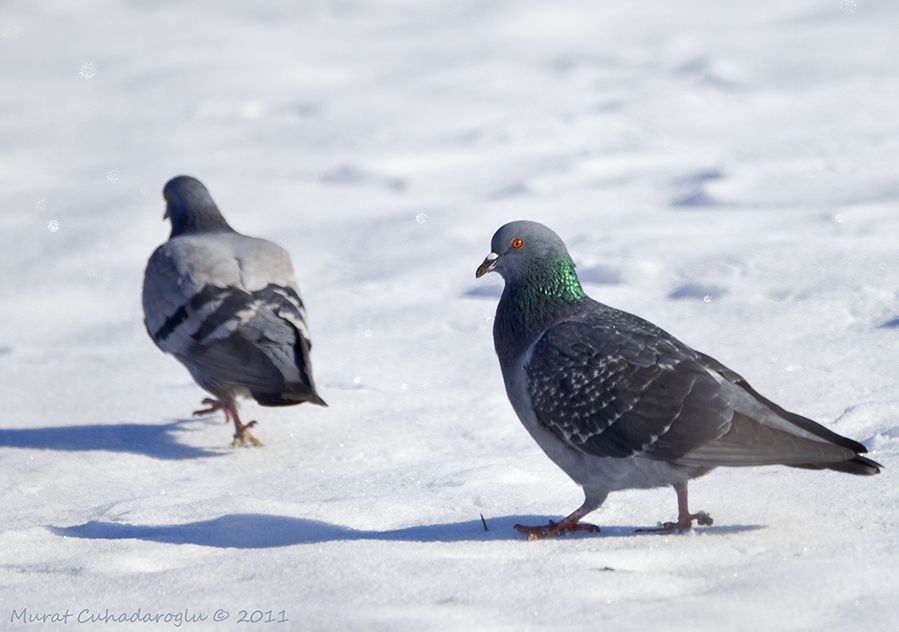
(618, 403)
(227, 306)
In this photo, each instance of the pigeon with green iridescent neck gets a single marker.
(228, 308)
(618, 403)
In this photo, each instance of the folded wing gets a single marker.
(227, 307)
(620, 391)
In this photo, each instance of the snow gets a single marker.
(726, 170)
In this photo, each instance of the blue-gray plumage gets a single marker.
(228, 308)
(619, 403)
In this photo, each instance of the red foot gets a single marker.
(683, 524)
(555, 528)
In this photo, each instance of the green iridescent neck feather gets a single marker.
(560, 281)
(554, 283)
(540, 296)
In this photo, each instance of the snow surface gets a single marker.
(727, 170)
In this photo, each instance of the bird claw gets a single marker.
(214, 406)
(555, 529)
(244, 439)
(682, 525)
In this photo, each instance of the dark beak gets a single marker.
(487, 266)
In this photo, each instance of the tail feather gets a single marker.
(294, 394)
(295, 368)
(751, 442)
(860, 466)
(751, 431)
(804, 423)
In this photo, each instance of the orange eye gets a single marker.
(517, 243)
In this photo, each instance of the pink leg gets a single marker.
(684, 517)
(569, 524)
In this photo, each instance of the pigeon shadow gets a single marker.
(153, 440)
(260, 531)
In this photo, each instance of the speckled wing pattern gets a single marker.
(615, 389)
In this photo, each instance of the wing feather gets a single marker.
(617, 386)
(613, 394)
(205, 302)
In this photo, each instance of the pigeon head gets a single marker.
(529, 254)
(190, 208)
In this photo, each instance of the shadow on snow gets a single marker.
(259, 531)
(153, 440)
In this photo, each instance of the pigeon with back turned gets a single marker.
(227, 306)
(618, 403)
